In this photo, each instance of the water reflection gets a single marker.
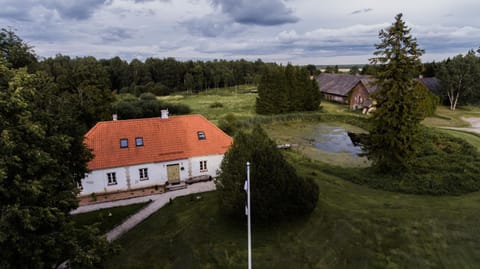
(336, 140)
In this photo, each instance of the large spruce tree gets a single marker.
(277, 192)
(393, 138)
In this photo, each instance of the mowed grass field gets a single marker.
(240, 101)
(352, 226)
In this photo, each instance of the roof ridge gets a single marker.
(149, 118)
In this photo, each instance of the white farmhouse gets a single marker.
(141, 153)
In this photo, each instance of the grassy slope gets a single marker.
(472, 138)
(352, 227)
(118, 214)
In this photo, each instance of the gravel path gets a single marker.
(474, 122)
(158, 201)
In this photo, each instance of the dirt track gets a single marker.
(474, 122)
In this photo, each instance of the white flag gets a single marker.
(245, 187)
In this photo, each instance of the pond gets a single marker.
(335, 139)
(327, 142)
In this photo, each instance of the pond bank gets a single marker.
(328, 142)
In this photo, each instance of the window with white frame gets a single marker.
(112, 178)
(143, 173)
(203, 166)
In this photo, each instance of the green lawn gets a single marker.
(108, 218)
(352, 227)
(239, 101)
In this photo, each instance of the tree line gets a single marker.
(159, 76)
(287, 89)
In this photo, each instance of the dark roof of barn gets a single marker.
(433, 84)
(341, 84)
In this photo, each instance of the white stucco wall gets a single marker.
(128, 177)
(213, 164)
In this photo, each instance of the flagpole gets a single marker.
(248, 219)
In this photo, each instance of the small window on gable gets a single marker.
(139, 141)
(201, 135)
(124, 143)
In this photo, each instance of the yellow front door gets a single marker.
(173, 173)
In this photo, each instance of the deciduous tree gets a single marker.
(459, 77)
(14, 51)
(42, 159)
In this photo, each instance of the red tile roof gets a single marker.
(163, 140)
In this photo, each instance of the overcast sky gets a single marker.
(296, 31)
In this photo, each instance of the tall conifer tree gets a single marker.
(277, 191)
(393, 138)
(287, 89)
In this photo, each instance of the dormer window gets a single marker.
(201, 135)
(124, 143)
(139, 141)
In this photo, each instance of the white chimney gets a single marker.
(114, 117)
(164, 113)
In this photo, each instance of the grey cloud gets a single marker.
(16, 10)
(129, 56)
(233, 15)
(438, 38)
(212, 26)
(68, 9)
(15, 14)
(365, 10)
(48, 33)
(360, 39)
(144, 1)
(245, 48)
(72, 9)
(355, 40)
(258, 12)
(115, 34)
